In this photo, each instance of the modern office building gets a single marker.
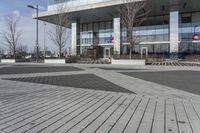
(172, 26)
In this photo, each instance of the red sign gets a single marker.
(196, 37)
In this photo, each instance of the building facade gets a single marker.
(172, 26)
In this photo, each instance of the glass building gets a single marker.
(97, 32)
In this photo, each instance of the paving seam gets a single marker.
(195, 111)
(111, 114)
(143, 115)
(28, 98)
(67, 109)
(32, 102)
(24, 99)
(40, 107)
(132, 115)
(122, 114)
(44, 115)
(79, 113)
(89, 113)
(187, 117)
(154, 116)
(101, 113)
(176, 118)
(34, 114)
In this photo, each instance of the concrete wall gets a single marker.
(54, 61)
(8, 61)
(128, 62)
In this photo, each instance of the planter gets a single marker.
(8, 61)
(127, 62)
(54, 61)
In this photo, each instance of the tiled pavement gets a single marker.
(32, 107)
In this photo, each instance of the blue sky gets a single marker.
(26, 23)
(7, 6)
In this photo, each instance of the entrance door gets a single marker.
(107, 53)
(144, 51)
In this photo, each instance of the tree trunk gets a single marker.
(14, 51)
(130, 39)
(60, 52)
(130, 52)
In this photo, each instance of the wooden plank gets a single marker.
(114, 117)
(183, 123)
(95, 125)
(121, 124)
(146, 124)
(95, 115)
(197, 108)
(159, 119)
(192, 116)
(137, 117)
(71, 121)
(171, 122)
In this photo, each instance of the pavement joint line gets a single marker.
(102, 112)
(67, 109)
(30, 103)
(79, 113)
(122, 114)
(54, 106)
(187, 117)
(51, 111)
(132, 115)
(28, 98)
(154, 113)
(111, 114)
(39, 107)
(88, 114)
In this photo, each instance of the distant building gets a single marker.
(169, 28)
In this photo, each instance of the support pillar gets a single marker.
(174, 32)
(74, 39)
(117, 40)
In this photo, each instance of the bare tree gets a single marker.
(59, 33)
(132, 14)
(11, 37)
(21, 50)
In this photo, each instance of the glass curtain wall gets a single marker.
(95, 34)
(188, 45)
(151, 35)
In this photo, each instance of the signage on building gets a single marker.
(196, 37)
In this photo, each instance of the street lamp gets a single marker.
(37, 43)
(44, 40)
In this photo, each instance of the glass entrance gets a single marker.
(107, 53)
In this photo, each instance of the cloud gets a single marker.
(16, 13)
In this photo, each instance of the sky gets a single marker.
(27, 25)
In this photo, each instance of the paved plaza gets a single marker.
(99, 98)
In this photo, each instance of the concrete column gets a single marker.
(116, 23)
(174, 32)
(74, 39)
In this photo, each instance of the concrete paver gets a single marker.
(32, 107)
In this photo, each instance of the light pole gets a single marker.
(37, 43)
(45, 40)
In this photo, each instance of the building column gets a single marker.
(174, 32)
(74, 39)
(117, 36)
